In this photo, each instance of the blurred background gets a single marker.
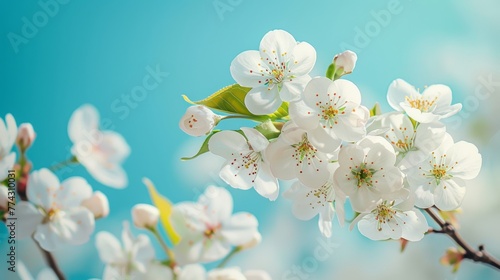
(97, 52)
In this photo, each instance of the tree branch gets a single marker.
(479, 255)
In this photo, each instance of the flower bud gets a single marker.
(4, 197)
(346, 60)
(25, 136)
(198, 121)
(257, 238)
(145, 216)
(97, 204)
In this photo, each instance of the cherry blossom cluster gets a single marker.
(335, 151)
(57, 213)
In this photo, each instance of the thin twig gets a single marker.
(479, 255)
(51, 261)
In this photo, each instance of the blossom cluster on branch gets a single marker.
(316, 132)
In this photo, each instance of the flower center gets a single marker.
(363, 175)
(304, 149)
(384, 214)
(323, 194)
(248, 161)
(420, 103)
(439, 169)
(210, 231)
(51, 214)
(278, 75)
(403, 145)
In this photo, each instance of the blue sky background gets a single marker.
(96, 52)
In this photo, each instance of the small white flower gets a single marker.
(432, 105)
(323, 201)
(54, 212)
(276, 73)
(198, 120)
(367, 173)
(145, 216)
(293, 155)
(8, 134)
(440, 179)
(208, 228)
(130, 261)
(392, 221)
(44, 274)
(346, 60)
(330, 112)
(25, 136)
(100, 152)
(246, 165)
(97, 204)
(412, 145)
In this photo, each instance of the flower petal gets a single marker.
(265, 183)
(218, 202)
(28, 218)
(397, 92)
(239, 229)
(42, 188)
(263, 100)
(449, 194)
(277, 45)
(465, 159)
(109, 248)
(258, 141)
(227, 143)
(247, 69)
(72, 192)
(303, 59)
(83, 123)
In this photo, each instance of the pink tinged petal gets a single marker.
(419, 116)
(265, 183)
(6, 164)
(72, 192)
(188, 218)
(42, 188)
(28, 218)
(258, 141)
(83, 123)
(293, 88)
(325, 221)
(414, 225)
(465, 160)
(277, 45)
(217, 202)
(237, 176)
(397, 92)
(303, 116)
(248, 70)
(449, 194)
(303, 59)
(109, 248)
(113, 147)
(239, 229)
(263, 100)
(227, 144)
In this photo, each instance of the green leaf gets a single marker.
(375, 111)
(204, 147)
(166, 209)
(231, 100)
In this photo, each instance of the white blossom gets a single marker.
(276, 73)
(245, 165)
(100, 152)
(198, 120)
(145, 216)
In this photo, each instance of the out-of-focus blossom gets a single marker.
(98, 204)
(54, 212)
(345, 60)
(145, 216)
(208, 229)
(100, 152)
(25, 136)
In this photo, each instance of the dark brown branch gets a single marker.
(51, 261)
(479, 255)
